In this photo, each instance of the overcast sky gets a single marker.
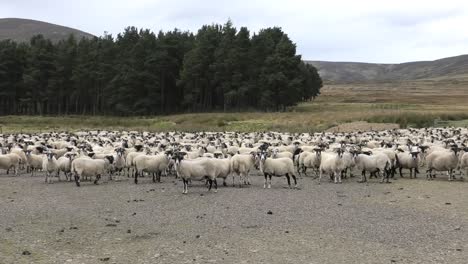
(348, 30)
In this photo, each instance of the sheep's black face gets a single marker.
(50, 156)
(414, 155)
(110, 159)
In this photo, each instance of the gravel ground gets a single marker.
(408, 221)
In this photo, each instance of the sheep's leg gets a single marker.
(224, 182)
(215, 185)
(363, 177)
(266, 180)
(269, 184)
(338, 177)
(401, 172)
(158, 176)
(295, 180)
(450, 175)
(154, 177)
(320, 176)
(428, 174)
(77, 179)
(289, 180)
(136, 176)
(210, 181)
(185, 186)
(233, 179)
(98, 177)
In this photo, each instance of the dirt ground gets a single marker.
(407, 221)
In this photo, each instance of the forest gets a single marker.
(139, 72)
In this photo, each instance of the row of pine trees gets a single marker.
(142, 73)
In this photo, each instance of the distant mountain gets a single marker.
(340, 72)
(21, 30)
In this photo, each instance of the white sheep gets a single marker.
(442, 160)
(119, 163)
(64, 164)
(332, 163)
(463, 164)
(281, 154)
(82, 167)
(9, 161)
(34, 161)
(154, 164)
(197, 169)
(50, 165)
(241, 165)
(373, 163)
(223, 168)
(276, 167)
(408, 160)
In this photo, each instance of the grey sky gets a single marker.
(358, 30)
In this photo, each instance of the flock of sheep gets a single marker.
(211, 156)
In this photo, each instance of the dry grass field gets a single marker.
(406, 103)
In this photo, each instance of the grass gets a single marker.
(409, 104)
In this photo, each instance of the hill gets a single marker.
(21, 30)
(341, 72)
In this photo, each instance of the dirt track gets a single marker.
(408, 221)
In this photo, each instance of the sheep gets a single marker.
(154, 164)
(90, 167)
(19, 151)
(119, 163)
(202, 168)
(50, 165)
(309, 160)
(34, 161)
(373, 163)
(196, 154)
(223, 168)
(332, 163)
(282, 154)
(463, 164)
(9, 161)
(411, 161)
(241, 165)
(129, 159)
(64, 164)
(276, 167)
(443, 160)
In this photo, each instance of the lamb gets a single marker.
(276, 167)
(443, 160)
(81, 167)
(154, 164)
(332, 163)
(241, 164)
(50, 165)
(9, 161)
(411, 161)
(34, 161)
(373, 163)
(199, 169)
(64, 164)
